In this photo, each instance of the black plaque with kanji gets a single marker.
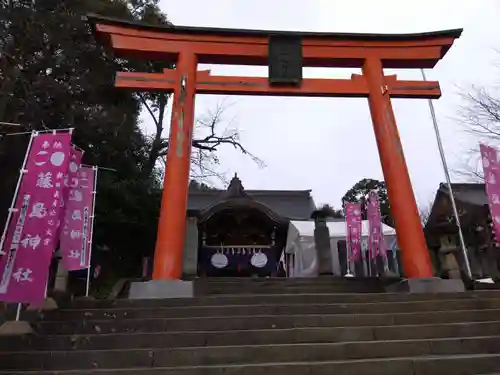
(285, 60)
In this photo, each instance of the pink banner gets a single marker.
(30, 240)
(376, 242)
(353, 222)
(71, 177)
(75, 236)
(491, 169)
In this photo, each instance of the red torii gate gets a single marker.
(186, 47)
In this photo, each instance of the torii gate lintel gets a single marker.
(312, 87)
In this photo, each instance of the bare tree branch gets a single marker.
(479, 117)
(208, 139)
(424, 211)
(470, 168)
(146, 105)
(480, 113)
(230, 135)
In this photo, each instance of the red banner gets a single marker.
(353, 222)
(491, 169)
(76, 233)
(31, 235)
(376, 240)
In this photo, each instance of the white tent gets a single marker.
(337, 228)
(301, 251)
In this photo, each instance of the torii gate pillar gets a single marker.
(415, 257)
(172, 220)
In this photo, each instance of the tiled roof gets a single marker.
(94, 19)
(471, 193)
(291, 204)
(467, 195)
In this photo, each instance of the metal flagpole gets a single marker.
(369, 257)
(448, 182)
(348, 246)
(94, 192)
(349, 274)
(369, 251)
(16, 192)
(369, 245)
(18, 311)
(381, 241)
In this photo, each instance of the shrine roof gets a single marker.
(470, 197)
(470, 193)
(94, 19)
(290, 204)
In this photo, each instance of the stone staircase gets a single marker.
(263, 326)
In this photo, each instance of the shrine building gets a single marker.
(238, 232)
(475, 219)
(248, 233)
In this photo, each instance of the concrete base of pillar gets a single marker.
(13, 328)
(427, 285)
(161, 289)
(47, 305)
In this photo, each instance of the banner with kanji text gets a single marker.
(74, 165)
(491, 170)
(76, 232)
(354, 227)
(31, 233)
(376, 244)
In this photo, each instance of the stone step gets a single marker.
(285, 288)
(234, 355)
(323, 280)
(282, 285)
(258, 322)
(248, 337)
(423, 365)
(272, 309)
(319, 279)
(286, 298)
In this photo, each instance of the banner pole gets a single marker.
(3, 123)
(16, 192)
(94, 193)
(395, 260)
(101, 168)
(18, 312)
(384, 244)
(448, 183)
(348, 246)
(55, 131)
(349, 274)
(363, 206)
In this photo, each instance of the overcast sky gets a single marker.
(327, 145)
